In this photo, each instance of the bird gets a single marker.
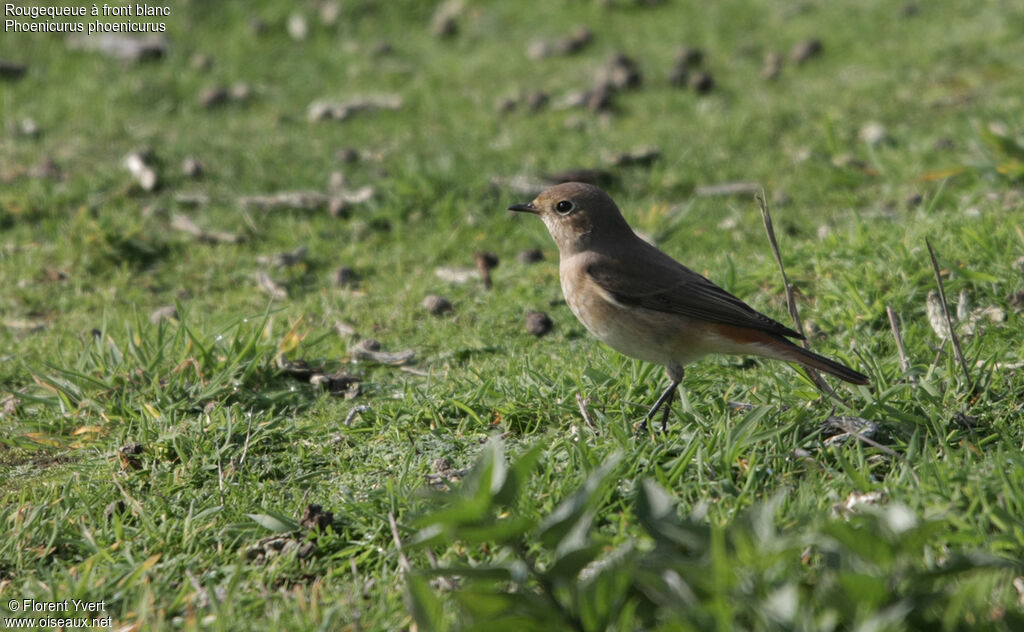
(646, 305)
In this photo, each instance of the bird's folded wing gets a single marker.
(664, 285)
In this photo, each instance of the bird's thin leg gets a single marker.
(668, 407)
(664, 400)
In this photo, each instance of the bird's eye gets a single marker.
(565, 207)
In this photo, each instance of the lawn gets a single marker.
(225, 405)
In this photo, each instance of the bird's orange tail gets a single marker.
(810, 359)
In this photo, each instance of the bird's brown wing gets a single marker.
(662, 284)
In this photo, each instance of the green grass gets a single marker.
(234, 450)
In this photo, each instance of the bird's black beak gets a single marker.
(524, 208)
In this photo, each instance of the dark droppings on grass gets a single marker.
(443, 475)
(687, 59)
(215, 96)
(539, 323)
(12, 70)
(842, 428)
(597, 99)
(120, 46)
(346, 277)
(278, 545)
(191, 167)
(339, 383)
(273, 289)
(530, 255)
(1016, 301)
(33, 324)
(316, 518)
(702, 82)
(285, 259)
(167, 312)
(536, 100)
(301, 538)
(370, 350)
(570, 44)
(347, 155)
(299, 369)
(437, 305)
(689, 56)
(201, 62)
(327, 110)
(506, 104)
(597, 177)
(806, 50)
(485, 262)
(52, 275)
(642, 157)
(621, 72)
(212, 97)
(130, 456)
(114, 509)
(445, 22)
(46, 169)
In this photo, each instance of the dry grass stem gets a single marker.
(949, 320)
(814, 376)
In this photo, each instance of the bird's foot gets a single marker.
(665, 401)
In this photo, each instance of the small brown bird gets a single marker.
(645, 304)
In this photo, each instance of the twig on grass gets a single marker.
(403, 561)
(245, 446)
(957, 351)
(361, 408)
(582, 403)
(442, 581)
(220, 477)
(727, 188)
(814, 376)
(940, 352)
(904, 360)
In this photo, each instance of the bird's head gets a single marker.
(578, 216)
